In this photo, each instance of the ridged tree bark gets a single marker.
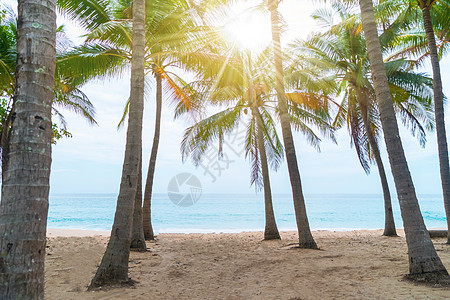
(147, 219)
(271, 230)
(438, 96)
(389, 223)
(423, 259)
(137, 235)
(25, 188)
(114, 265)
(306, 239)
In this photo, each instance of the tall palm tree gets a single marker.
(306, 239)
(247, 84)
(426, 6)
(25, 188)
(423, 259)
(419, 38)
(107, 49)
(407, 31)
(67, 89)
(168, 41)
(114, 265)
(172, 40)
(340, 52)
(244, 81)
(137, 233)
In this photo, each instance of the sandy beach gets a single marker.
(350, 265)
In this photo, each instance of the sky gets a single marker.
(91, 161)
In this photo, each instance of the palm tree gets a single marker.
(341, 53)
(167, 46)
(420, 39)
(137, 233)
(247, 85)
(173, 40)
(423, 259)
(426, 6)
(114, 265)
(105, 53)
(67, 92)
(407, 32)
(306, 239)
(25, 188)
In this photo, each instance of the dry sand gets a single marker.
(350, 265)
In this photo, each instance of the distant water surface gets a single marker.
(237, 213)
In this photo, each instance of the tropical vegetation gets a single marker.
(363, 68)
(340, 52)
(67, 93)
(26, 169)
(249, 98)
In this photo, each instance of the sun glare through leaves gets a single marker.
(249, 30)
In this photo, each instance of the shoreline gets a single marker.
(62, 232)
(58, 232)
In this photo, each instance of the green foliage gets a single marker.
(174, 42)
(69, 77)
(7, 52)
(340, 54)
(246, 85)
(59, 133)
(404, 34)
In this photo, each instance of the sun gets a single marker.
(249, 30)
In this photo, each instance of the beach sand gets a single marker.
(350, 265)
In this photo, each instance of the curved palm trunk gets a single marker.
(306, 239)
(148, 229)
(25, 188)
(137, 235)
(271, 230)
(389, 224)
(114, 265)
(439, 114)
(423, 259)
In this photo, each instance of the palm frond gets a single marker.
(88, 13)
(200, 136)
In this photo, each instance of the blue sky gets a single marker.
(91, 161)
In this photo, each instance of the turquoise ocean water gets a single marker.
(237, 213)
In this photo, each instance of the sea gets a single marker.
(230, 213)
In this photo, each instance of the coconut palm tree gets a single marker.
(407, 33)
(108, 49)
(172, 41)
(247, 85)
(172, 46)
(306, 239)
(423, 259)
(420, 39)
(67, 92)
(114, 265)
(341, 53)
(248, 88)
(426, 6)
(25, 188)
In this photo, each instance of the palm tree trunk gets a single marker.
(423, 259)
(306, 239)
(271, 230)
(148, 228)
(137, 235)
(439, 114)
(114, 265)
(25, 188)
(389, 224)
